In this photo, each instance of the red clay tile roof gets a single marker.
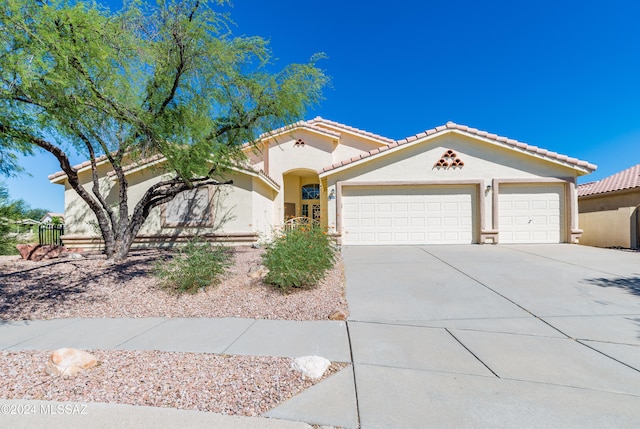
(304, 125)
(451, 126)
(626, 179)
(319, 120)
(155, 158)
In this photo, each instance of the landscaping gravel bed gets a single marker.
(234, 385)
(92, 287)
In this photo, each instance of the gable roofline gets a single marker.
(60, 176)
(624, 180)
(451, 127)
(289, 129)
(318, 120)
(301, 125)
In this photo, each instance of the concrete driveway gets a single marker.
(495, 336)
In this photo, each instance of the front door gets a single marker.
(311, 201)
(289, 210)
(311, 210)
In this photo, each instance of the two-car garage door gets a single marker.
(409, 215)
(527, 213)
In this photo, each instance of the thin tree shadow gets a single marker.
(631, 284)
(25, 292)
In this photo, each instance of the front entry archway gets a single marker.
(304, 196)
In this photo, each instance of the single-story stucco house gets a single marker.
(448, 185)
(609, 211)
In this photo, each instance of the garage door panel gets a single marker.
(367, 222)
(384, 222)
(412, 215)
(401, 222)
(531, 214)
(417, 221)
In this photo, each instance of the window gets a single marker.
(311, 192)
(189, 208)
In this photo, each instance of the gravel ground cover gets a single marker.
(92, 287)
(234, 385)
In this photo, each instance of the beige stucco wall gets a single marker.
(263, 209)
(610, 228)
(610, 220)
(610, 201)
(483, 161)
(233, 205)
(349, 146)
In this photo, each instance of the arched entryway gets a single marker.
(304, 196)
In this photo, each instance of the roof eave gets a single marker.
(581, 167)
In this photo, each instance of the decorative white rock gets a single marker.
(312, 367)
(69, 362)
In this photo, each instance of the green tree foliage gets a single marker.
(9, 211)
(166, 79)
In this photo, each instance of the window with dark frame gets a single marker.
(311, 192)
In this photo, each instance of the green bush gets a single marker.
(299, 258)
(197, 266)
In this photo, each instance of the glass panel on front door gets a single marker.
(315, 211)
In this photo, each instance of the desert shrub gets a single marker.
(198, 265)
(299, 258)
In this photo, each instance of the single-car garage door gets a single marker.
(409, 215)
(531, 213)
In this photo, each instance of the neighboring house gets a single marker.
(609, 211)
(451, 184)
(48, 218)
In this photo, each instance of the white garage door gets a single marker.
(408, 215)
(531, 214)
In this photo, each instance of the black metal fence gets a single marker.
(50, 234)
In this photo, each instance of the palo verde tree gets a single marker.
(165, 79)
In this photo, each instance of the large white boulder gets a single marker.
(312, 367)
(69, 362)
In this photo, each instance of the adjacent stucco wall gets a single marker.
(609, 201)
(483, 161)
(610, 220)
(610, 228)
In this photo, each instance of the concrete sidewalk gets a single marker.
(331, 402)
(233, 336)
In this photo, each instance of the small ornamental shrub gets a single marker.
(198, 265)
(299, 258)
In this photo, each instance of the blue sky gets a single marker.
(560, 75)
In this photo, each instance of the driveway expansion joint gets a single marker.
(472, 353)
(606, 355)
(353, 368)
(496, 292)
